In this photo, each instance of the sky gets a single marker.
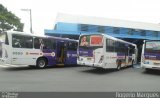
(44, 12)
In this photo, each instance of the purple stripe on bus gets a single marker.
(86, 52)
(155, 56)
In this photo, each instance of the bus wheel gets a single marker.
(118, 65)
(132, 63)
(31, 66)
(41, 63)
(147, 69)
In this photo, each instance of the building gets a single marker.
(67, 25)
(71, 26)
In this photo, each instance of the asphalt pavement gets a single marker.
(77, 79)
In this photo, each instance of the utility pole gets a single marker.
(30, 13)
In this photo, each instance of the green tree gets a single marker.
(9, 21)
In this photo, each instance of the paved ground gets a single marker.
(77, 79)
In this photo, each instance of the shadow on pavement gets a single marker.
(34, 68)
(151, 72)
(99, 71)
(20, 68)
(103, 71)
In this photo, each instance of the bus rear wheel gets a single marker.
(132, 64)
(147, 69)
(41, 63)
(118, 65)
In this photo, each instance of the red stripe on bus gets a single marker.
(34, 53)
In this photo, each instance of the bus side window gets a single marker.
(110, 45)
(16, 41)
(36, 43)
(122, 47)
(53, 43)
(20, 41)
(132, 49)
(107, 45)
(47, 44)
(72, 46)
(27, 42)
(75, 45)
(44, 43)
(119, 47)
(116, 46)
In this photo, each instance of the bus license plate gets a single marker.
(157, 64)
(88, 58)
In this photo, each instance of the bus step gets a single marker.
(60, 64)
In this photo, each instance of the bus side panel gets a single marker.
(98, 57)
(1, 52)
(142, 56)
(51, 60)
(110, 60)
(123, 57)
(71, 57)
(30, 56)
(6, 54)
(51, 56)
(22, 56)
(71, 53)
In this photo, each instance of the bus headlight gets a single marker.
(80, 59)
(146, 62)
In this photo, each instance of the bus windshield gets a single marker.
(91, 41)
(152, 46)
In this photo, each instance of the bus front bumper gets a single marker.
(149, 66)
(100, 65)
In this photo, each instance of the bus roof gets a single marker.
(30, 34)
(60, 38)
(108, 36)
(23, 33)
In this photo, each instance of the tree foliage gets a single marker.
(9, 21)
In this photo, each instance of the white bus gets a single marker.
(19, 48)
(150, 58)
(104, 51)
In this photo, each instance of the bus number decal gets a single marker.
(17, 53)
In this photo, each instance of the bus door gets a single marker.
(71, 57)
(61, 52)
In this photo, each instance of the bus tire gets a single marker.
(132, 63)
(41, 63)
(118, 65)
(31, 66)
(147, 69)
